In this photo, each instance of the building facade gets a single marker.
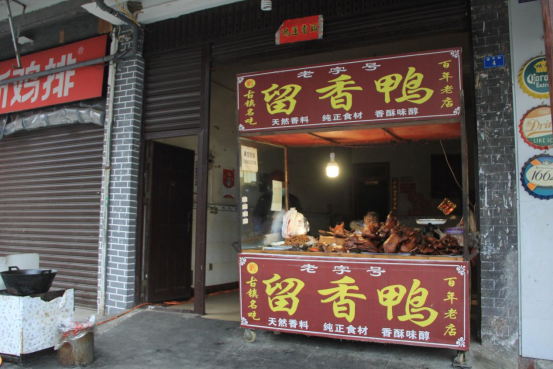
(174, 91)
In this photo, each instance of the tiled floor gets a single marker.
(219, 306)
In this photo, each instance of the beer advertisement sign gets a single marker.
(535, 128)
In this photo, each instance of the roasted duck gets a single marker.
(390, 237)
(339, 231)
(371, 230)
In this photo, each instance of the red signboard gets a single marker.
(410, 302)
(401, 88)
(72, 85)
(300, 29)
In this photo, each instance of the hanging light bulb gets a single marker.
(332, 168)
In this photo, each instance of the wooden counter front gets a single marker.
(408, 300)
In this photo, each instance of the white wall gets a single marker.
(535, 216)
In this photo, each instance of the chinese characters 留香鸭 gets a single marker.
(286, 298)
(281, 99)
(414, 306)
(339, 99)
(342, 306)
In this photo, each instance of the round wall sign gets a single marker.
(537, 176)
(536, 129)
(533, 78)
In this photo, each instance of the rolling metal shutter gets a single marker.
(243, 34)
(351, 24)
(50, 184)
(172, 94)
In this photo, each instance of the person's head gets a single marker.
(371, 218)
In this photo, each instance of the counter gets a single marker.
(386, 298)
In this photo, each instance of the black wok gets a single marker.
(25, 282)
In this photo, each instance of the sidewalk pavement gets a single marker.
(164, 339)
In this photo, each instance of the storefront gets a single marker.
(190, 67)
(51, 150)
(176, 111)
(345, 283)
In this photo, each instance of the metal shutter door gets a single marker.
(50, 184)
(172, 94)
(348, 24)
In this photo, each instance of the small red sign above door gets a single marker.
(71, 85)
(300, 29)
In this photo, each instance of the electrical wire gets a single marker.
(129, 15)
(452, 172)
(449, 165)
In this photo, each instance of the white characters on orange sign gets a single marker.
(33, 85)
(4, 88)
(64, 78)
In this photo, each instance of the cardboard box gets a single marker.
(329, 240)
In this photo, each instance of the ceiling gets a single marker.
(157, 10)
(366, 137)
(32, 5)
(152, 10)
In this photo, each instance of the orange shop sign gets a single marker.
(72, 85)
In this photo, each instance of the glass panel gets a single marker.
(262, 193)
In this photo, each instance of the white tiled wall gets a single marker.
(222, 230)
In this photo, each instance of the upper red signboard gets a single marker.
(409, 302)
(300, 29)
(408, 87)
(72, 85)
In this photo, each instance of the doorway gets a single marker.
(169, 196)
(371, 189)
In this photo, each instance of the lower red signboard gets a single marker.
(410, 302)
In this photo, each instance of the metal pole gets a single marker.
(547, 16)
(13, 34)
(201, 197)
(287, 198)
(465, 178)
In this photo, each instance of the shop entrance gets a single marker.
(168, 201)
(369, 161)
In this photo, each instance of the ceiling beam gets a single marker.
(394, 135)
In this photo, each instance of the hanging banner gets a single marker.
(536, 129)
(537, 177)
(300, 29)
(409, 87)
(72, 85)
(414, 302)
(533, 78)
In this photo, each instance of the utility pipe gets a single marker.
(105, 59)
(17, 57)
(107, 175)
(107, 168)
